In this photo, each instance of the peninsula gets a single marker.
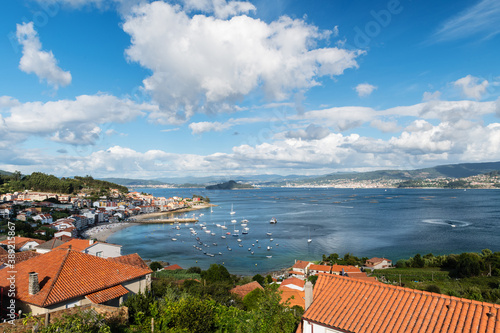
(230, 185)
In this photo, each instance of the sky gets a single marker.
(152, 89)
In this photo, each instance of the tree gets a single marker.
(469, 264)
(259, 278)
(155, 265)
(269, 279)
(418, 261)
(216, 273)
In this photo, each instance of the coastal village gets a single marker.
(48, 278)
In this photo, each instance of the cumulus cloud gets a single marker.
(470, 87)
(220, 8)
(428, 96)
(72, 121)
(206, 64)
(365, 89)
(34, 60)
(205, 126)
(385, 126)
(312, 132)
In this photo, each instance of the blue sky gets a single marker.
(142, 89)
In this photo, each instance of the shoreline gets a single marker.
(103, 231)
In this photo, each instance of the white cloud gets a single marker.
(205, 126)
(204, 64)
(470, 87)
(34, 60)
(428, 96)
(220, 8)
(365, 89)
(71, 121)
(385, 126)
(480, 19)
(312, 132)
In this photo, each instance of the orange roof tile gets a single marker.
(19, 257)
(293, 280)
(20, 241)
(172, 267)
(300, 264)
(353, 305)
(130, 259)
(347, 269)
(296, 273)
(76, 244)
(107, 294)
(3, 251)
(323, 268)
(64, 274)
(293, 296)
(243, 290)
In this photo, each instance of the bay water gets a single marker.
(390, 223)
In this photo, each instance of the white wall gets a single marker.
(108, 250)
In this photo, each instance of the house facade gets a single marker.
(75, 279)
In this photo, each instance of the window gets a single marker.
(98, 254)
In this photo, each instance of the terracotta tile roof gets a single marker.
(323, 268)
(20, 241)
(107, 294)
(293, 296)
(300, 264)
(3, 251)
(19, 257)
(130, 259)
(293, 280)
(64, 274)
(243, 290)
(76, 244)
(352, 305)
(296, 273)
(362, 276)
(347, 269)
(172, 267)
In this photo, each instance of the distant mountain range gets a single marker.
(440, 171)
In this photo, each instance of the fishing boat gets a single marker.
(223, 237)
(273, 221)
(236, 233)
(232, 211)
(244, 221)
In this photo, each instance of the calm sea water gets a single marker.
(392, 223)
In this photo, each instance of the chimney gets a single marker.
(91, 241)
(309, 294)
(33, 287)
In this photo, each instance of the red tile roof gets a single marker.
(76, 244)
(352, 305)
(18, 257)
(172, 267)
(64, 274)
(21, 241)
(293, 296)
(130, 259)
(300, 264)
(362, 276)
(245, 289)
(3, 251)
(293, 280)
(107, 294)
(323, 268)
(347, 269)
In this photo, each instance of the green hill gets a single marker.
(230, 185)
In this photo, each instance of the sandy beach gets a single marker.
(101, 232)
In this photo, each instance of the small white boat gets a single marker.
(233, 221)
(269, 233)
(174, 239)
(269, 248)
(238, 240)
(269, 257)
(223, 237)
(271, 239)
(244, 221)
(232, 211)
(273, 221)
